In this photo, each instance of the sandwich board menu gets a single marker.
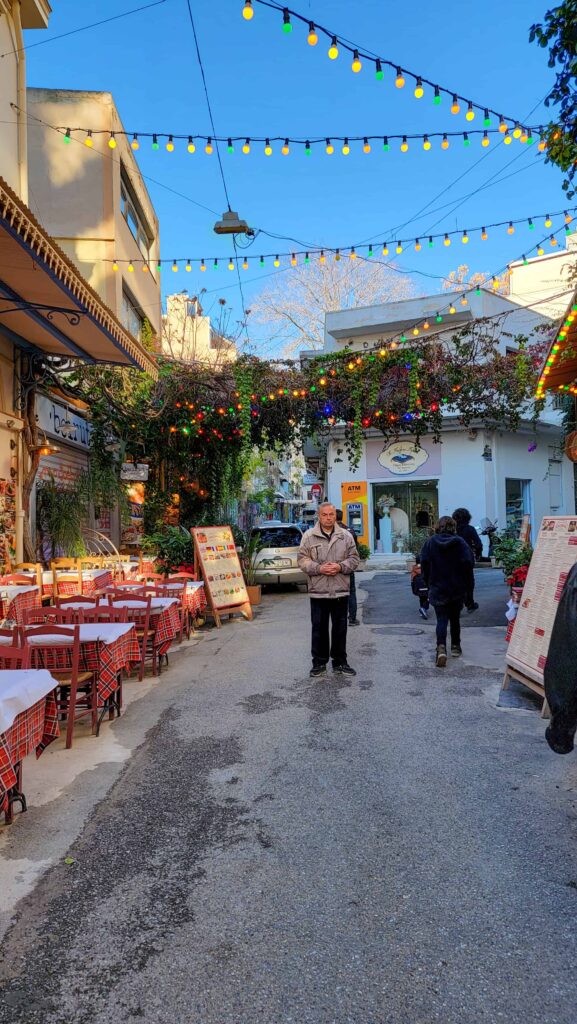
(554, 555)
(216, 557)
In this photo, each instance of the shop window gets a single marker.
(517, 503)
(134, 217)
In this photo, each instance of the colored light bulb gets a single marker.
(445, 142)
(399, 80)
(502, 126)
(466, 140)
(130, 268)
(244, 264)
(404, 145)
(419, 91)
(417, 245)
(487, 119)
(286, 22)
(248, 11)
(357, 63)
(510, 229)
(366, 146)
(508, 139)
(446, 240)
(329, 147)
(484, 235)
(426, 143)
(174, 266)
(135, 143)
(379, 70)
(66, 137)
(230, 146)
(202, 265)
(208, 147)
(112, 141)
(246, 147)
(470, 115)
(230, 265)
(322, 257)
(517, 132)
(547, 221)
(188, 266)
(385, 249)
(267, 148)
(465, 238)
(293, 260)
(386, 146)
(191, 146)
(115, 265)
(485, 140)
(170, 144)
(353, 254)
(333, 51)
(154, 142)
(312, 38)
(276, 262)
(437, 96)
(307, 148)
(89, 141)
(455, 108)
(399, 248)
(346, 148)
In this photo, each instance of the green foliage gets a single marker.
(363, 550)
(558, 31)
(413, 541)
(173, 547)
(511, 553)
(61, 513)
(253, 545)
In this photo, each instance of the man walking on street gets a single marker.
(447, 567)
(353, 621)
(328, 556)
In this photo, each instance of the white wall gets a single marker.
(514, 461)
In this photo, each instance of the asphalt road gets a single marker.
(391, 599)
(390, 849)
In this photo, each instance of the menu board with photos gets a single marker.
(554, 555)
(216, 554)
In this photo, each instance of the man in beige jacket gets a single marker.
(328, 556)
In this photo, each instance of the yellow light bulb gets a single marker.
(322, 257)
(419, 91)
(130, 268)
(508, 139)
(276, 262)
(446, 240)
(333, 49)
(415, 331)
(399, 80)
(399, 249)
(385, 250)
(246, 147)
(346, 149)
(247, 11)
(170, 145)
(510, 229)
(517, 132)
(208, 147)
(417, 246)
(89, 140)
(357, 64)
(485, 140)
(135, 144)
(244, 265)
(230, 265)
(203, 266)
(191, 147)
(502, 127)
(285, 149)
(312, 38)
(330, 148)
(112, 142)
(366, 146)
(268, 149)
(465, 238)
(547, 221)
(470, 115)
(452, 309)
(455, 108)
(115, 265)
(353, 254)
(426, 143)
(542, 146)
(404, 145)
(445, 142)
(293, 260)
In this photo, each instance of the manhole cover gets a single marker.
(398, 631)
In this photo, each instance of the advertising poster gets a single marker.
(133, 531)
(219, 561)
(554, 555)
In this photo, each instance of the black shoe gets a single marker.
(354, 622)
(423, 613)
(318, 670)
(344, 670)
(472, 607)
(456, 650)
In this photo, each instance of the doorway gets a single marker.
(414, 508)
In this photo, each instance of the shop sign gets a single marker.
(134, 471)
(58, 421)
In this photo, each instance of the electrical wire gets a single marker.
(83, 28)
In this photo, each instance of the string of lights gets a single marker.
(379, 64)
(286, 145)
(364, 252)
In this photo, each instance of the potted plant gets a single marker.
(249, 552)
(364, 553)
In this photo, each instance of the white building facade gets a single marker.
(497, 474)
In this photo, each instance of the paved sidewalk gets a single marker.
(390, 849)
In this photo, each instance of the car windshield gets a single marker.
(279, 537)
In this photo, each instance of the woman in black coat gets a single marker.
(447, 567)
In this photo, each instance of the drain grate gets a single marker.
(398, 631)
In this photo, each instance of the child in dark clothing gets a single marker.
(420, 590)
(447, 566)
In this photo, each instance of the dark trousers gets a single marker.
(449, 615)
(352, 599)
(323, 611)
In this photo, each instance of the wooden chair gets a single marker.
(104, 613)
(12, 657)
(37, 616)
(13, 634)
(90, 562)
(77, 599)
(139, 615)
(18, 577)
(31, 567)
(175, 591)
(70, 567)
(63, 661)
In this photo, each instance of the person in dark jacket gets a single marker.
(447, 567)
(462, 517)
(560, 672)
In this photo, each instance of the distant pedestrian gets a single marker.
(462, 517)
(447, 567)
(328, 556)
(353, 621)
(420, 590)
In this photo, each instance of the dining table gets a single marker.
(28, 723)
(166, 622)
(15, 598)
(106, 648)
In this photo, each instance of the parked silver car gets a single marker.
(276, 561)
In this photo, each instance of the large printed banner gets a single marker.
(216, 551)
(555, 553)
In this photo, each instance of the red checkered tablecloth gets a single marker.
(14, 609)
(69, 588)
(107, 660)
(194, 600)
(167, 626)
(32, 730)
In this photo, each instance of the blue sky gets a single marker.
(263, 82)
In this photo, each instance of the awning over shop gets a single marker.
(559, 370)
(46, 305)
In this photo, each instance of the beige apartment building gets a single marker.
(48, 311)
(189, 335)
(94, 201)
